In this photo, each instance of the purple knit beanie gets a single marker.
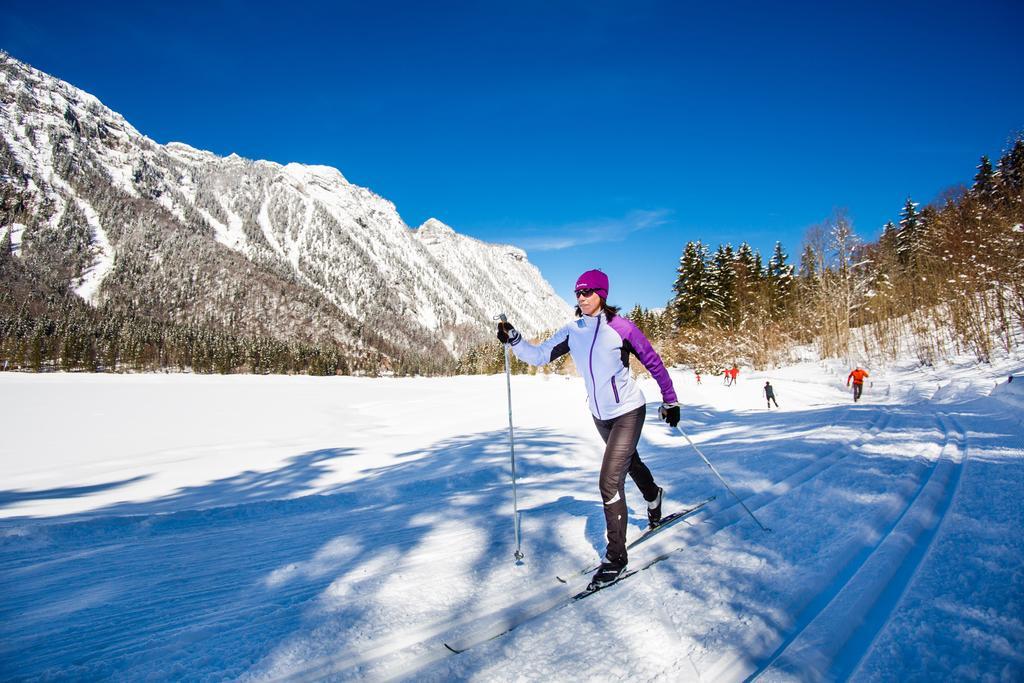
(595, 280)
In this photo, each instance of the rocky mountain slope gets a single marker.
(293, 252)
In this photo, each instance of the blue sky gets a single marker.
(592, 134)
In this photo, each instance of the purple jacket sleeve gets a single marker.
(647, 355)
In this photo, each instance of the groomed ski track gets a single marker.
(833, 631)
(107, 595)
(441, 639)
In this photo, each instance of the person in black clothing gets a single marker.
(769, 394)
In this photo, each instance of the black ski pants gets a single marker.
(858, 389)
(621, 435)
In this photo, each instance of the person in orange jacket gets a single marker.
(857, 375)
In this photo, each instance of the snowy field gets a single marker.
(178, 527)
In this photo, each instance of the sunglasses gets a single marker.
(584, 292)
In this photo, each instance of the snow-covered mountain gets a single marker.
(295, 252)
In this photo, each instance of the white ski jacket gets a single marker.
(600, 348)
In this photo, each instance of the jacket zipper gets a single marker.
(615, 389)
(593, 381)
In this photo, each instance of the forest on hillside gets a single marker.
(46, 327)
(945, 279)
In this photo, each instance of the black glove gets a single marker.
(508, 334)
(670, 413)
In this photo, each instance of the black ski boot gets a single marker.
(654, 509)
(607, 573)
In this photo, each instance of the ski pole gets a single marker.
(511, 446)
(708, 463)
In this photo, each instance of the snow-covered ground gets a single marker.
(190, 528)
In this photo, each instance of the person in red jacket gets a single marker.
(857, 375)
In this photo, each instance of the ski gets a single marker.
(621, 577)
(668, 521)
(495, 625)
(489, 630)
(650, 532)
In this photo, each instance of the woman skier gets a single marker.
(600, 342)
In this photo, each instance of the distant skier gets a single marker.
(599, 341)
(698, 377)
(727, 376)
(857, 375)
(735, 371)
(769, 394)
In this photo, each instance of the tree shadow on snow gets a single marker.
(8, 498)
(132, 589)
(298, 475)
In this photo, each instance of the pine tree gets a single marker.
(780, 280)
(1011, 179)
(808, 266)
(748, 281)
(888, 240)
(984, 180)
(639, 318)
(908, 239)
(691, 287)
(722, 279)
(760, 272)
(745, 258)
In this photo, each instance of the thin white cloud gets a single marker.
(593, 231)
